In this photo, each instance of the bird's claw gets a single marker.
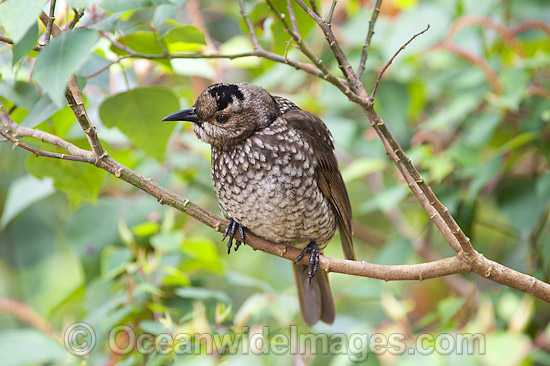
(313, 251)
(230, 230)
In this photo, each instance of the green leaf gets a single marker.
(74, 178)
(175, 277)
(20, 93)
(199, 293)
(146, 228)
(452, 114)
(143, 42)
(16, 343)
(60, 59)
(167, 242)
(521, 204)
(81, 3)
(361, 167)
(41, 111)
(114, 261)
(18, 16)
(202, 255)
(138, 114)
(184, 38)
(506, 348)
(448, 307)
(26, 44)
(22, 193)
(385, 200)
(124, 5)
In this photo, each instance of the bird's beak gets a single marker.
(183, 115)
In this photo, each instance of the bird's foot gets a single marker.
(313, 251)
(230, 230)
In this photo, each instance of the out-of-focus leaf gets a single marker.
(385, 200)
(167, 242)
(15, 345)
(521, 204)
(146, 228)
(255, 304)
(361, 167)
(199, 293)
(93, 65)
(22, 193)
(483, 175)
(440, 166)
(183, 38)
(82, 3)
(80, 179)
(41, 111)
(18, 16)
(305, 24)
(395, 252)
(543, 186)
(124, 5)
(448, 307)
(138, 114)
(175, 277)
(516, 142)
(87, 241)
(453, 113)
(192, 67)
(21, 93)
(114, 260)
(26, 44)
(505, 348)
(60, 59)
(143, 42)
(202, 255)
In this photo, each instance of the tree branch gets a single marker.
(372, 94)
(50, 21)
(343, 63)
(370, 33)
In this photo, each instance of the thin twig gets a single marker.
(77, 15)
(76, 103)
(368, 39)
(106, 67)
(249, 26)
(51, 18)
(22, 131)
(324, 71)
(354, 84)
(331, 11)
(292, 18)
(391, 60)
(313, 4)
(47, 154)
(10, 41)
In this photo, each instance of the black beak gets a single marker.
(183, 115)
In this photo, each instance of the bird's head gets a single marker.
(225, 114)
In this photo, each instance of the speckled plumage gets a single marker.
(275, 173)
(270, 178)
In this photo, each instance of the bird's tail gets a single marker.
(316, 301)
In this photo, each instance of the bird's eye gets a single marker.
(221, 118)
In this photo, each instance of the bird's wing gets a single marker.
(329, 179)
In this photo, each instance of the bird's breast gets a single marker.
(267, 183)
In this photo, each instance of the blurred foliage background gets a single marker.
(469, 101)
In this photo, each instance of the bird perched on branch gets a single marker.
(276, 175)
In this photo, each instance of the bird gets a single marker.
(275, 174)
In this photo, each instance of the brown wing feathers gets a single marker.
(327, 173)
